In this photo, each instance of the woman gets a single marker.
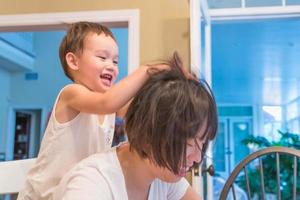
(169, 124)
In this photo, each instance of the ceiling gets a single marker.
(256, 61)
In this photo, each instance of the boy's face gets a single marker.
(98, 62)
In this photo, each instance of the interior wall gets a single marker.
(164, 25)
(4, 100)
(43, 90)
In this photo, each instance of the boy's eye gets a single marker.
(115, 62)
(101, 57)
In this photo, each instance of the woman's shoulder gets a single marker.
(99, 160)
(99, 167)
(84, 180)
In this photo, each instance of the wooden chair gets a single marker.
(13, 175)
(277, 154)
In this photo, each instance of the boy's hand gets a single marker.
(166, 66)
(159, 66)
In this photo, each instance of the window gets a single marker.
(272, 121)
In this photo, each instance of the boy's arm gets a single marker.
(81, 99)
(122, 112)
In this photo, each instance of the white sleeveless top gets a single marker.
(100, 177)
(64, 145)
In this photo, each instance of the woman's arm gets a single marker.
(191, 194)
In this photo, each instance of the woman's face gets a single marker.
(193, 154)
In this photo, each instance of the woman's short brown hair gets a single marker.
(168, 110)
(74, 40)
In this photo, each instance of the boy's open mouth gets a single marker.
(107, 78)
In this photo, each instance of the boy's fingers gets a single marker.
(159, 66)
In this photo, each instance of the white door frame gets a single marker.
(195, 49)
(198, 12)
(57, 21)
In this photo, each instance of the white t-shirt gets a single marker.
(100, 177)
(63, 146)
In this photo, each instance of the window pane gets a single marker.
(274, 113)
(293, 126)
(292, 2)
(224, 3)
(291, 110)
(271, 131)
(259, 3)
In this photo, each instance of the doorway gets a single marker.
(228, 150)
(27, 133)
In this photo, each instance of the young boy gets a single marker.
(169, 124)
(83, 116)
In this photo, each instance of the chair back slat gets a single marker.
(247, 184)
(295, 178)
(233, 192)
(278, 176)
(262, 183)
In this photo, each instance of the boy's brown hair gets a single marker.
(170, 109)
(75, 38)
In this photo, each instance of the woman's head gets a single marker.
(170, 113)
